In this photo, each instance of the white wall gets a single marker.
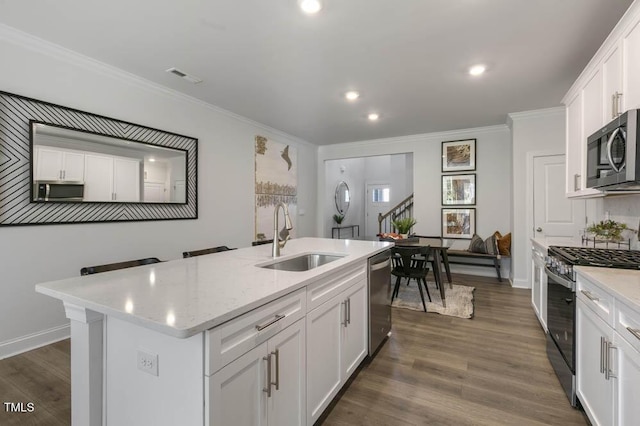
(493, 170)
(33, 254)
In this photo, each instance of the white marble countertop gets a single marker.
(186, 296)
(545, 242)
(624, 284)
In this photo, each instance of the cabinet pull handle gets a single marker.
(590, 296)
(602, 354)
(349, 311)
(275, 319)
(60, 174)
(277, 356)
(635, 332)
(608, 372)
(268, 388)
(345, 323)
(614, 102)
(576, 182)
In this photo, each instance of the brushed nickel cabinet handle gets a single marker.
(576, 182)
(277, 356)
(349, 311)
(601, 354)
(345, 323)
(589, 295)
(609, 372)
(275, 319)
(268, 388)
(635, 332)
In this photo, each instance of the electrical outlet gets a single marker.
(148, 362)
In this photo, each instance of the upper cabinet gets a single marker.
(607, 87)
(56, 164)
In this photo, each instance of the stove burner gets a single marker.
(608, 258)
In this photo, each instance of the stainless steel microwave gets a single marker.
(58, 191)
(613, 162)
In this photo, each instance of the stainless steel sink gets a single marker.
(304, 262)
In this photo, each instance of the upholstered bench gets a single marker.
(466, 257)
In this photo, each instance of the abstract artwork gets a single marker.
(276, 167)
(458, 223)
(459, 155)
(458, 190)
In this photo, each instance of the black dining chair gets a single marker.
(410, 263)
(89, 270)
(193, 253)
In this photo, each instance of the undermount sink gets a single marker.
(303, 262)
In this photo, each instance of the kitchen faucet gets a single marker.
(284, 234)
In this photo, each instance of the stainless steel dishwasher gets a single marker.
(379, 299)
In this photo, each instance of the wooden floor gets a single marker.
(433, 370)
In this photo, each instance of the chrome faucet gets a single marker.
(280, 239)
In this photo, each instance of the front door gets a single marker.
(554, 214)
(377, 203)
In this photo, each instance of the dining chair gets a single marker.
(410, 263)
(193, 253)
(89, 270)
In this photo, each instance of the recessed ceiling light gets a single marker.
(310, 6)
(352, 95)
(477, 70)
(373, 116)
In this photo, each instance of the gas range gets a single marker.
(561, 260)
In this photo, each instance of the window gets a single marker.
(380, 195)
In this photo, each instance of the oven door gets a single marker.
(561, 314)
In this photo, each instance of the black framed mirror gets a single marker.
(48, 144)
(342, 197)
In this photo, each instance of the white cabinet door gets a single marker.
(612, 77)
(98, 180)
(49, 164)
(236, 392)
(323, 355)
(627, 371)
(631, 70)
(592, 107)
(355, 334)
(574, 144)
(594, 390)
(287, 403)
(73, 166)
(126, 180)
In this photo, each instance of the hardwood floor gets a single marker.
(433, 370)
(438, 370)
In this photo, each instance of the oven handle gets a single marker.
(560, 280)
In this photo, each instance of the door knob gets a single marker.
(538, 229)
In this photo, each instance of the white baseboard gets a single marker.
(33, 341)
(521, 283)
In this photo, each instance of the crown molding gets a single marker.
(36, 44)
(537, 113)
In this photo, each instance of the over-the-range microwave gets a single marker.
(58, 191)
(613, 157)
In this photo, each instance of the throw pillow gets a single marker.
(491, 245)
(504, 245)
(476, 245)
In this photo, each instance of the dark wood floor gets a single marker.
(433, 370)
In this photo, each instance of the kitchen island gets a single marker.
(159, 344)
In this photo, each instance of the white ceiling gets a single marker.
(268, 61)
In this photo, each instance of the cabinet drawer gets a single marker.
(230, 340)
(596, 298)
(320, 292)
(628, 324)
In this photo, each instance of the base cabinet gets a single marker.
(539, 285)
(336, 344)
(265, 386)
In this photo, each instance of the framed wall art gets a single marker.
(458, 156)
(458, 223)
(459, 190)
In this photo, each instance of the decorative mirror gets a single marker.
(342, 198)
(62, 165)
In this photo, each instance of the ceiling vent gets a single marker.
(182, 74)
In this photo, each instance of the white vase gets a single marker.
(404, 235)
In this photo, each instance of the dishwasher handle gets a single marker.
(381, 265)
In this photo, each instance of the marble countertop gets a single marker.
(545, 242)
(186, 296)
(624, 284)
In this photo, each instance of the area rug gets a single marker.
(459, 299)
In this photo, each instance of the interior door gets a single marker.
(377, 203)
(554, 214)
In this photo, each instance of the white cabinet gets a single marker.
(627, 408)
(336, 344)
(265, 386)
(109, 178)
(631, 68)
(594, 388)
(539, 285)
(59, 164)
(612, 81)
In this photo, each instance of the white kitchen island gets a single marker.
(202, 340)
